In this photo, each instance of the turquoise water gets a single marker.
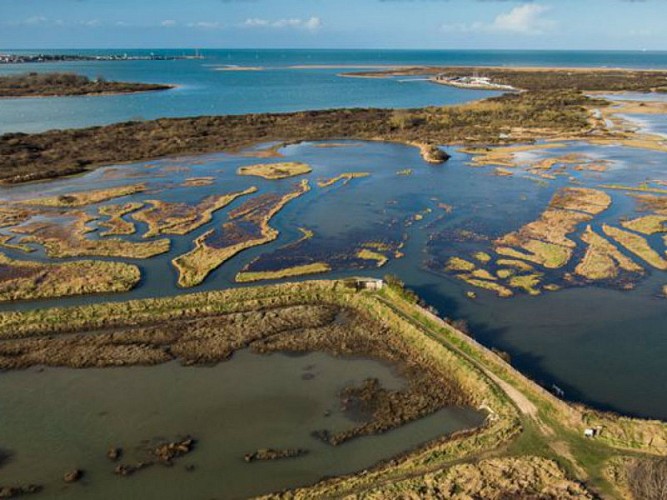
(204, 89)
(604, 346)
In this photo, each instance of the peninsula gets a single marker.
(530, 442)
(67, 84)
(554, 105)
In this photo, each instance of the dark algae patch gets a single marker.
(264, 454)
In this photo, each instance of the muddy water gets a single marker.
(602, 345)
(54, 420)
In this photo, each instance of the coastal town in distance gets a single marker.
(361, 249)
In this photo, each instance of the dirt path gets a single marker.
(524, 405)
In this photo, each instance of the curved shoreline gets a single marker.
(523, 416)
(66, 84)
(163, 88)
(66, 152)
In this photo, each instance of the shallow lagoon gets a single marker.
(602, 345)
(55, 420)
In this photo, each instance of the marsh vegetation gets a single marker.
(67, 84)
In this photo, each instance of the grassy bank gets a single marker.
(528, 429)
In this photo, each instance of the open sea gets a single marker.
(284, 83)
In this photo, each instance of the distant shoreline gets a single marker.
(41, 85)
(91, 94)
(56, 58)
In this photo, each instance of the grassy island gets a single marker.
(273, 171)
(81, 199)
(602, 259)
(248, 227)
(345, 177)
(288, 272)
(530, 443)
(23, 280)
(547, 243)
(182, 218)
(67, 84)
(115, 224)
(69, 240)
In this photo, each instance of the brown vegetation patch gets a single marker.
(345, 177)
(534, 79)
(248, 227)
(198, 181)
(182, 218)
(116, 225)
(590, 201)
(651, 203)
(20, 280)
(602, 259)
(647, 478)
(493, 479)
(12, 215)
(7, 241)
(157, 452)
(526, 116)
(68, 239)
(267, 454)
(83, 198)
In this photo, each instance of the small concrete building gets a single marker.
(370, 284)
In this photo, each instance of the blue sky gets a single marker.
(429, 24)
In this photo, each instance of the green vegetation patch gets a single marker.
(637, 245)
(377, 257)
(288, 272)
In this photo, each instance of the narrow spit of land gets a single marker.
(553, 106)
(67, 84)
(533, 78)
(531, 442)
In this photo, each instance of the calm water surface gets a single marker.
(55, 420)
(602, 345)
(203, 89)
